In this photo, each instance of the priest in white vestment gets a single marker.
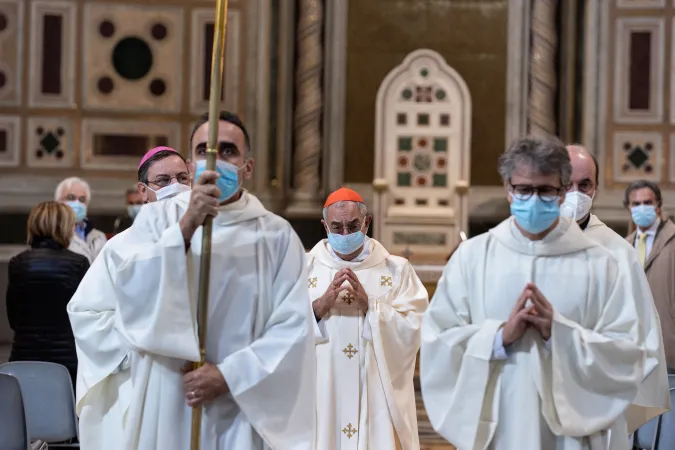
(258, 386)
(103, 391)
(368, 306)
(653, 396)
(533, 339)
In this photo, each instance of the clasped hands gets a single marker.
(539, 316)
(203, 385)
(355, 289)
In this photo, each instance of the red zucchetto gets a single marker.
(343, 195)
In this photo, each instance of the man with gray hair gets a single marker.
(87, 241)
(532, 315)
(368, 305)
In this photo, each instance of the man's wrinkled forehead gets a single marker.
(344, 212)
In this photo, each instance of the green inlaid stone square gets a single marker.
(404, 179)
(440, 180)
(405, 144)
(440, 145)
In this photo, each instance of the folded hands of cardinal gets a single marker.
(203, 385)
(356, 290)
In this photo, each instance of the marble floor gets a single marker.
(429, 439)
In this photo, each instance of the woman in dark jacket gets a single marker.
(42, 280)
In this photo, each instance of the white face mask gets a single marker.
(576, 205)
(170, 191)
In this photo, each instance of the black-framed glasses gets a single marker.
(165, 180)
(345, 229)
(545, 193)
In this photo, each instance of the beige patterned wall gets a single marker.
(87, 86)
(639, 134)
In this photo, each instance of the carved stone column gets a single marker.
(543, 79)
(308, 109)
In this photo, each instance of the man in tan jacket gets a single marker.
(655, 247)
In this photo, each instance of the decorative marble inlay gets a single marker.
(109, 144)
(52, 54)
(130, 56)
(426, 239)
(50, 142)
(9, 141)
(422, 150)
(638, 70)
(11, 51)
(201, 48)
(637, 155)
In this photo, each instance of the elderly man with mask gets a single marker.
(532, 315)
(653, 398)
(368, 305)
(103, 390)
(87, 241)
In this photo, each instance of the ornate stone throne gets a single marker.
(422, 151)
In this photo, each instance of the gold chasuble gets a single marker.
(366, 361)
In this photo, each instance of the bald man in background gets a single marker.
(653, 397)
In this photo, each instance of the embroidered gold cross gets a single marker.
(348, 298)
(350, 351)
(311, 283)
(385, 281)
(349, 430)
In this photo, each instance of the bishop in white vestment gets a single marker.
(258, 386)
(653, 396)
(532, 340)
(103, 391)
(368, 305)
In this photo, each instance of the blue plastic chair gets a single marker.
(48, 399)
(13, 431)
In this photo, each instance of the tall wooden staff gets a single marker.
(211, 151)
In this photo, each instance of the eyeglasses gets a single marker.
(346, 229)
(545, 193)
(165, 180)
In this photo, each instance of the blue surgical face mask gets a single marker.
(644, 216)
(346, 244)
(79, 208)
(227, 182)
(534, 215)
(133, 210)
